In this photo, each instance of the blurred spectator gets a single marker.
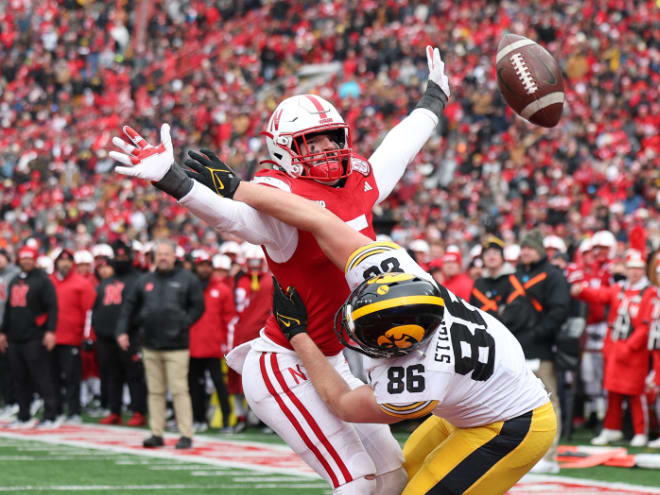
(544, 286)
(59, 107)
(653, 380)
(84, 262)
(625, 349)
(90, 387)
(208, 343)
(118, 365)
(252, 318)
(28, 332)
(221, 269)
(452, 277)
(164, 304)
(420, 249)
(7, 394)
(75, 298)
(490, 292)
(91, 66)
(568, 343)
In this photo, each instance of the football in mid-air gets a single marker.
(530, 80)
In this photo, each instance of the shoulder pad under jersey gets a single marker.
(273, 178)
(360, 164)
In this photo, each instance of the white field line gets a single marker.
(10, 458)
(171, 454)
(119, 488)
(589, 483)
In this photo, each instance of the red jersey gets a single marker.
(208, 335)
(625, 349)
(596, 276)
(319, 282)
(75, 297)
(654, 338)
(242, 289)
(461, 285)
(258, 309)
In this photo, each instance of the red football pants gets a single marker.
(638, 410)
(234, 382)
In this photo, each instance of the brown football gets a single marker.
(530, 80)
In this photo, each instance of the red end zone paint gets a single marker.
(247, 455)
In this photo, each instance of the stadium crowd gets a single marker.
(74, 71)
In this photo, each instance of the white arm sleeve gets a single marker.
(399, 147)
(234, 217)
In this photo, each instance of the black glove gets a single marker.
(213, 173)
(289, 310)
(88, 345)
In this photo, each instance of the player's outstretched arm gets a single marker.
(336, 239)
(197, 192)
(356, 406)
(406, 139)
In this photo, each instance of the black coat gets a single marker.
(489, 294)
(110, 296)
(536, 316)
(31, 308)
(163, 306)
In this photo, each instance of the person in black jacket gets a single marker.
(28, 333)
(544, 290)
(490, 291)
(118, 366)
(163, 305)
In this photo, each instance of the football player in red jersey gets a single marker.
(310, 148)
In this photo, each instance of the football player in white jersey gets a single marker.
(429, 352)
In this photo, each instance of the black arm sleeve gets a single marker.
(434, 99)
(175, 182)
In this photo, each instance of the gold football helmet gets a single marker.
(389, 315)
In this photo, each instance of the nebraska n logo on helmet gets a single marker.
(389, 315)
(293, 123)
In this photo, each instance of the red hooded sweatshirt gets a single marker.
(75, 298)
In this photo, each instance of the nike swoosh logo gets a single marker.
(217, 178)
(287, 320)
(502, 81)
(551, 79)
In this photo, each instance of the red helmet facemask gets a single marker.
(331, 164)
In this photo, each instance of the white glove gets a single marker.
(437, 69)
(144, 160)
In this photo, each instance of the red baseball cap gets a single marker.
(27, 252)
(450, 256)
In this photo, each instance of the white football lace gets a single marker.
(522, 71)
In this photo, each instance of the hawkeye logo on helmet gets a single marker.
(402, 336)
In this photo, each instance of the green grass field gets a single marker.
(35, 466)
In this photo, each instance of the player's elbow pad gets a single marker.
(434, 99)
